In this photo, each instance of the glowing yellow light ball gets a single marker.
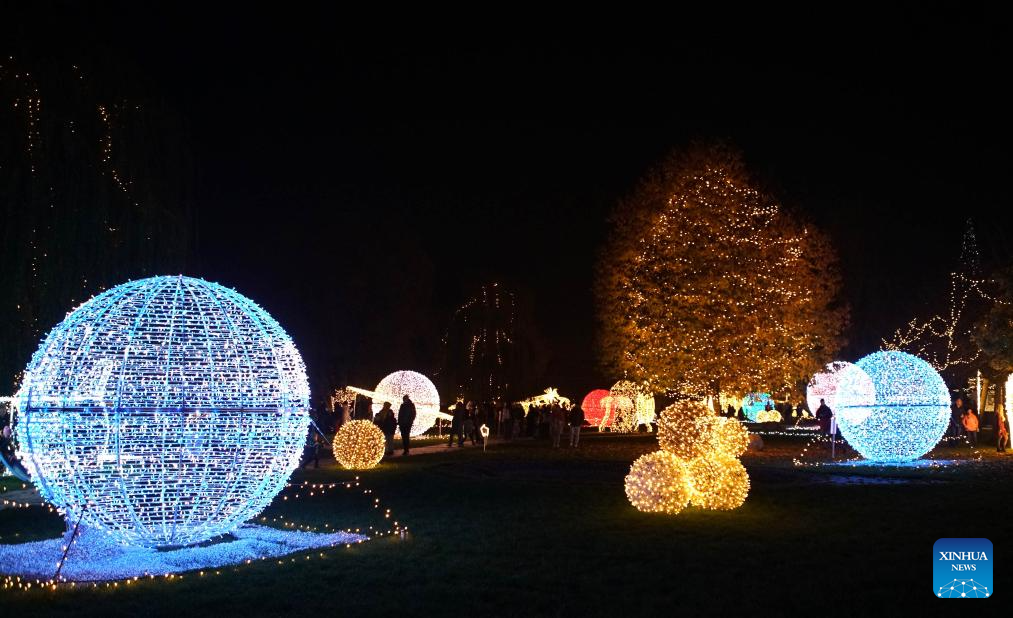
(359, 445)
(718, 482)
(658, 483)
(768, 416)
(679, 433)
(727, 436)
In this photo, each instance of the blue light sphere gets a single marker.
(905, 414)
(754, 403)
(164, 412)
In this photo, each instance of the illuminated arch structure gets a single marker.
(165, 411)
(627, 406)
(906, 414)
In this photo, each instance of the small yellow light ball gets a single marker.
(679, 431)
(768, 416)
(359, 445)
(727, 436)
(718, 482)
(658, 483)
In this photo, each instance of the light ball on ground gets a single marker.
(165, 411)
(658, 483)
(768, 416)
(718, 482)
(419, 389)
(594, 407)
(359, 445)
(679, 431)
(907, 415)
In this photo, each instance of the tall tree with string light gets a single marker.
(707, 285)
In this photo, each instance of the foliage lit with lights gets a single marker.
(359, 445)
(701, 260)
(165, 411)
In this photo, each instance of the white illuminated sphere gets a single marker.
(824, 385)
(421, 391)
(905, 417)
(165, 411)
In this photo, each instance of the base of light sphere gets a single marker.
(893, 434)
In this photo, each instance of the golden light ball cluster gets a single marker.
(697, 465)
(359, 445)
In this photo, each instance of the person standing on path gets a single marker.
(557, 420)
(388, 425)
(457, 425)
(969, 420)
(576, 422)
(405, 420)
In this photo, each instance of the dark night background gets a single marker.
(361, 182)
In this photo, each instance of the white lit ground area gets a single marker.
(528, 530)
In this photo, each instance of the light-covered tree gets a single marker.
(708, 285)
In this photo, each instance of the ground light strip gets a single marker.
(302, 490)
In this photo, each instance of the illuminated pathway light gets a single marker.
(907, 414)
(165, 411)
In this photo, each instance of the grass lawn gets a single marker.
(527, 530)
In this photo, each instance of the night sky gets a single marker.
(499, 158)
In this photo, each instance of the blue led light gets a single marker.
(902, 417)
(165, 411)
(754, 403)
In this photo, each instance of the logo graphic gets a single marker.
(962, 568)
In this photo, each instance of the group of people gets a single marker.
(511, 422)
(388, 423)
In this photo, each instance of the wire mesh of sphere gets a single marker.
(165, 411)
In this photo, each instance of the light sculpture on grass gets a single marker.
(419, 389)
(754, 403)
(359, 445)
(718, 481)
(824, 385)
(627, 407)
(903, 417)
(594, 407)
(659, 482)
(165, 411)
(683, 429)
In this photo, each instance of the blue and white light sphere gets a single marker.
(165, 411)
(906, 414)
(754, 403)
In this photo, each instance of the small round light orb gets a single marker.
(658, 483)
(419, 389)
(768, 416)
(165, 411)
(825, 384)
(718, 482)
(684, 429)
(754, 403)
(628, 406)
(359, 445)
(727, 436)
(594, 407)
(908, 414)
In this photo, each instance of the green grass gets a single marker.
(526, 530)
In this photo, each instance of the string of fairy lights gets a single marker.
(392, 528)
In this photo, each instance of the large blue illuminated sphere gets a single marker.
(165, 411)
(754, 403)
(902, 417)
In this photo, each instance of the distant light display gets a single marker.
(165, 411)
(659, 483)
(419, 388)
(627, 407)
(718, 482)
(907, 415)
(594, 407)
(359, 445)
(824, 385)
(768, 416)
(754, 403)
(1009, 395)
